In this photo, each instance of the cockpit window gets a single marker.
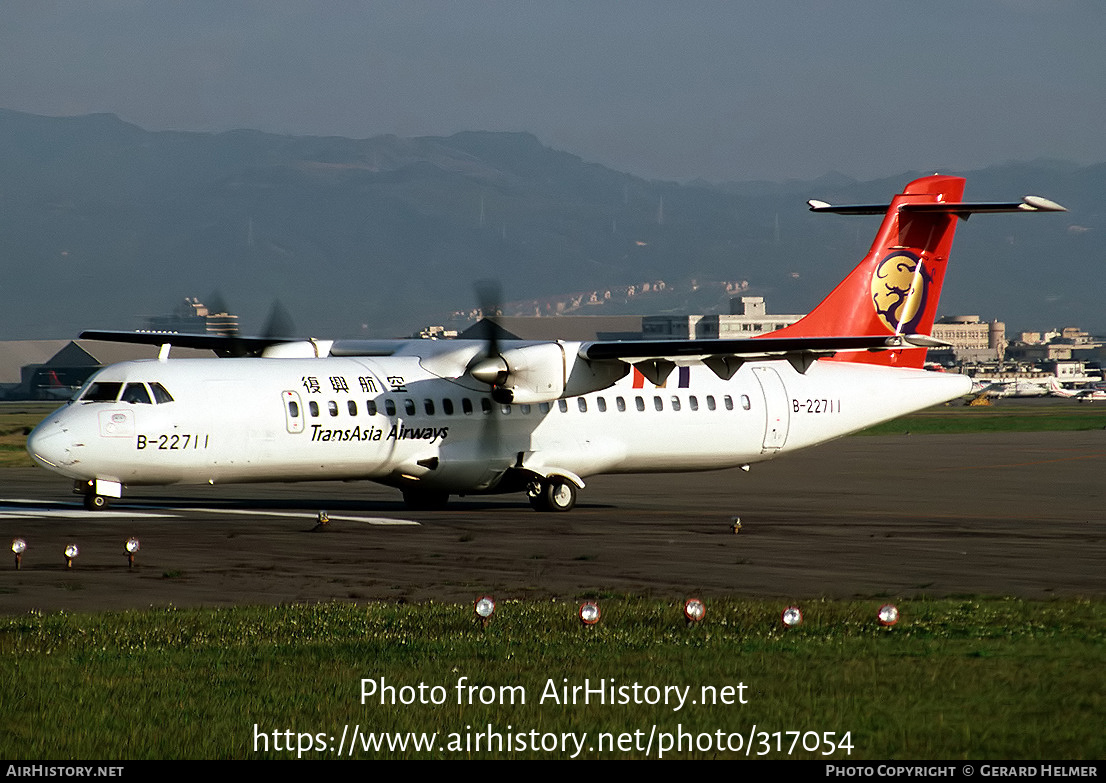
(102, 391)
(136, 393)
(160, 394)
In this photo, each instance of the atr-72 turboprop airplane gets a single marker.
(458, 417)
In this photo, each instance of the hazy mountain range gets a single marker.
(103, 223)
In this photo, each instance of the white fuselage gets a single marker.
(388, 419)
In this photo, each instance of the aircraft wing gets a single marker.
(751, 348)
(656, 358)
(237, 345)
(223, 345)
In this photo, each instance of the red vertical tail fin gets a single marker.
(896, 286)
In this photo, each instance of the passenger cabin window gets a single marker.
(351, 406)
(313, 408)
(710, 402)
(390, 407)
(582, 404)
(409, 406)
(293, 409)
(745, 404)
(466, 406)
(601, 402)
(370, 407)
(620, 403)
(447, 407)
(428, 405)
(332, 406)
(563, 405)
(639, 403)
(675, 403)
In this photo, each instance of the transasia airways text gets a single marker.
(320, 433)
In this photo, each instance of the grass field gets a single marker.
(1006, 416)
(17, 419)
(956, 679)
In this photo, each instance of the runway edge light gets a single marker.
(589, 613)
(484, 608)
(19, 546)
(791, 617)
(132, 546)
(694, 610)
(888, 615)
(71, 551)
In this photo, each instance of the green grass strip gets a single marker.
(955, 679)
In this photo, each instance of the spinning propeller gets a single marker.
(489, 366)
(279, 327)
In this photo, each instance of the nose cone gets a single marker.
(49, 444)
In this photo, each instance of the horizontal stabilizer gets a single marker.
(961, 208)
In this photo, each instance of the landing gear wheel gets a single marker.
(560, 494)
(554, 494)
(425, 499)
(94, 502)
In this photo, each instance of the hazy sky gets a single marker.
(675, 90)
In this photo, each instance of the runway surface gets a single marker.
(1017, 514)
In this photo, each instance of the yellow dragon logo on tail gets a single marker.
(900, 287)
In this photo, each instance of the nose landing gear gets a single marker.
(98, 494)
(94, 502)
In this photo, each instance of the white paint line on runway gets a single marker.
(309, 516)
(23, 509)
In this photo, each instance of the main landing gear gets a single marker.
(552, 494)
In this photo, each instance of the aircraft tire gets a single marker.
(558, 494)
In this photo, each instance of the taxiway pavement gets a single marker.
(1017, 514)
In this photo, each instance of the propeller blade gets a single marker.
(279, 323)
(489, 296)
(488, 367)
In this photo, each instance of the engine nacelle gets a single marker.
(299, 349)
(545, 372)
(533, 373)
(587, 376)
